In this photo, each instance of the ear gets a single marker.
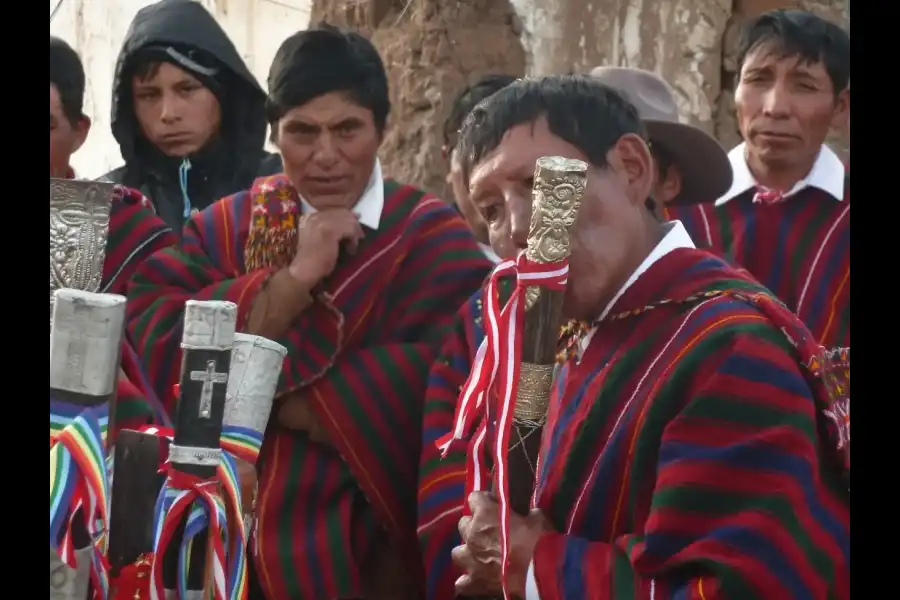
(840, 119)
(80, 133)
(631, 158)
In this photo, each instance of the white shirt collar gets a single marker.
(676, 237)
(370, 205)
(827, 175)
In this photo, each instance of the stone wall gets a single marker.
(433, 47)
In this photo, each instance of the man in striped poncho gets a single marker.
(786, 218)
(359, 277)
(692, 448)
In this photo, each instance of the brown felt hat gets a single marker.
(705, 169)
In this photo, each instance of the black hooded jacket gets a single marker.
(228, 164)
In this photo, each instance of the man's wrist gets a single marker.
(298, 289)
(299, 275)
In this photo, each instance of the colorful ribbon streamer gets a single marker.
(79, 480)
(187, 495)
(245, 444)
(495, 374)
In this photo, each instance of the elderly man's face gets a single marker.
(610, 234)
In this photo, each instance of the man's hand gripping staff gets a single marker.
(508, 390)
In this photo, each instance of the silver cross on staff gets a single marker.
(209, 377)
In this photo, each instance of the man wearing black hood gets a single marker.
(187, 113)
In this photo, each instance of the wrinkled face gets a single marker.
(65, 137)
(328, 147)
(785, 107)
(176, 112)
(463, 202)
(610, 233)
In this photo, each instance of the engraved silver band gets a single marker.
(200, 457)
(216, 348)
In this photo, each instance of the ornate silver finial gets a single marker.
(559, 185)
(79, 225)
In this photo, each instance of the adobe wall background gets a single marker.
(434, 47)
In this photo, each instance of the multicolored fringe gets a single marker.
(187, 495)
(272, 239)
(79, 480)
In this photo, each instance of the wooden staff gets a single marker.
(136, 482)
(206, 359)
(559, 185)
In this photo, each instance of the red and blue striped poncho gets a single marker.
(690, 453)
(798, 248)
(135, 232)
(360, 354)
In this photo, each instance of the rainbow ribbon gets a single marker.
(79, 480)
(235, 442)
(188, 495)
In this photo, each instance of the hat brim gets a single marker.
(705, 169)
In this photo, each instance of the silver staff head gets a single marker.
(79, 225)
(209, 325)
(255, 368)
(85, 341)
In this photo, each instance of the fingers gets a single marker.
(462, 558)
(481, 501)
(340, 226)
(463, 527)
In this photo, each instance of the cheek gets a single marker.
(746, 103)
(206, 112)
(59, 147)
(501, 241)
(294, 156)
(360, 149)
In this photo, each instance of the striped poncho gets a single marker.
(135, 232)
(688, 454)
(798, 248)
(360, 354)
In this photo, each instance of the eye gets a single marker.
(490, 213)
(528, 182)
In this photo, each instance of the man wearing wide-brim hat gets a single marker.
(692, 166)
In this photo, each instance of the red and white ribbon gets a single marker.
(495, 374)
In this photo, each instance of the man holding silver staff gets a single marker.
(100, 231)
(686, 403)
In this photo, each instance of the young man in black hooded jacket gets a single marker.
(187, 113)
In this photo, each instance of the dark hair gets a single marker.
(67, 74)
(469, 98)
(579, 109)
(326, 59)
(798, 33)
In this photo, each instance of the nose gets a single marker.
(520, 220)
(326, 152)
(169, 113)
(776, 102)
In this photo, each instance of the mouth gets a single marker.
(775, 135)
(327, 184)
(176, 138)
